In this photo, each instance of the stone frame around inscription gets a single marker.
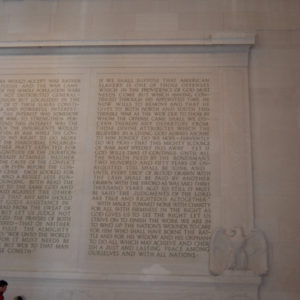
(157, 264)
(226, 62)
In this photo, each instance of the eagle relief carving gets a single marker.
(235, 251)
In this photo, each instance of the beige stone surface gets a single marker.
(229, 163)
(157, 22)
(25, 24)
(274, 92)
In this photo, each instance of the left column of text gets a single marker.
(38, 128)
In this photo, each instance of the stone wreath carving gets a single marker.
(235, 251)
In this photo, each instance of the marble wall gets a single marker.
(274, 88)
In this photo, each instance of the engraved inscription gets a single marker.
(38, 126)
(151, 187)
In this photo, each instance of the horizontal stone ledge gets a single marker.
(122, 43)
(98, 46)
(229, 278)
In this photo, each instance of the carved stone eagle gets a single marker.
(234, 251)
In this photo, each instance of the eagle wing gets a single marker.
(221, 251)
(256, 249)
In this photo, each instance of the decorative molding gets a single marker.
(236, 42)
(226, 278)
(215, 39)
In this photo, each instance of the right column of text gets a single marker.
(151, 186)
